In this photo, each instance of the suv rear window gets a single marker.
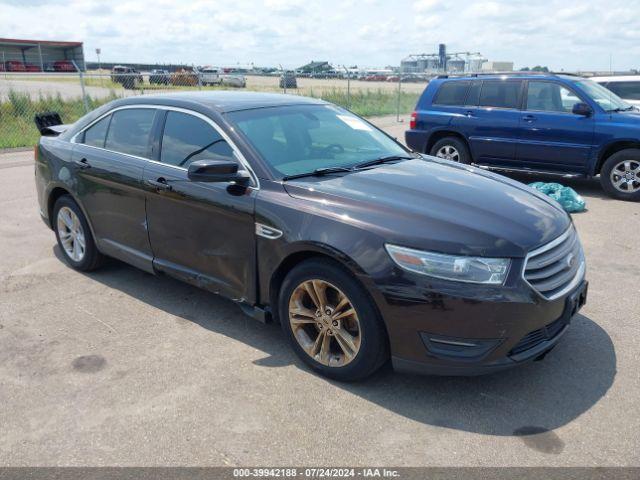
(500, 94)
(452, 93)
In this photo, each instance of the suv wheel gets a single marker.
(620, 175)
(451, 148)
(331, 322)
(74, 236)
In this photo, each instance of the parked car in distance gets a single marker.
(288, 80)
(627, 87)
(29, 67)
(128, 77)
(304, 213)
(64, 66)
(15, 66)
(210, 76)
(159, 77)
(232, 79)
(537, 123)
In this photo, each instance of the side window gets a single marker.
(452, 93)
(129, 131)
(474, 94)
(550, 97)
(500, 94)
(187, 138)
(95, 135)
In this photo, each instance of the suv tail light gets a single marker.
(412, 122)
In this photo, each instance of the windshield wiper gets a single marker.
(318, 172)
(381, 160)
(620, 109)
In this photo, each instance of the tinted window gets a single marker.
(129, 131)
(299, 139)
(625, 90)
(452, 93)
(187, 138)
(500, 94)
(550, 97)
(95, 135)
(474, 94)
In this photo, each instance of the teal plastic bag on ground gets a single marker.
(565, 196)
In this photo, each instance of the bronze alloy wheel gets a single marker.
(324, 323)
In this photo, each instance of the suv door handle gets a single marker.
(82, 163)
(159, 184)
(529, 118)
(470, 113)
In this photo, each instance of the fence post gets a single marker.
(84, 95)
(348, 87)
(398, 99)
(199, 80)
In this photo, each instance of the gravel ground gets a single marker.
(119, 367)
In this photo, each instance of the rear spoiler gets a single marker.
(50, 124)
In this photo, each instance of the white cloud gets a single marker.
(565, 34)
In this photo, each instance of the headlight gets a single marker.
(490, 271)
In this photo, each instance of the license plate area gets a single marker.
(576, 301)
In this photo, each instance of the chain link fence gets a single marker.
(23, 95)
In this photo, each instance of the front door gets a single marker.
(551, 136)
(202, 233)
(110, 158)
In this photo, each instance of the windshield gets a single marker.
(603, 96)
(302, 138)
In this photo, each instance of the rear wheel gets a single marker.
(451, 148)
(331, 322)
(620, 175)
(74, 236)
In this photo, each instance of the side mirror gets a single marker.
(582, 109)
(217, 171)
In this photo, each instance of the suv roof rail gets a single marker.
(485, 74)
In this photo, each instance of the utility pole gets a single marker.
(98, 50)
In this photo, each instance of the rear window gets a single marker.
(95, 135)
(625, 90)
(500, 94)
(452, 93)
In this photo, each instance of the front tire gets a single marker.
(74, 236)
(620, 175)
(451, 148)
(331, 322)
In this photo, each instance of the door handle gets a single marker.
(82, 163)
(159, 184)
(470, 113)
(529, 118)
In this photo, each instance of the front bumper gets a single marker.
(444, 334)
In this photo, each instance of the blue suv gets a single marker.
(547, 123)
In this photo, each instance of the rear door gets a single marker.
(202, 233)
(551, 136)
(109, 160)
(492, 127)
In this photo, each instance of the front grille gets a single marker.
(556, 267)
(536, 337)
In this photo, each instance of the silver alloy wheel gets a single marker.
(325, 323)
(448, 152)
(625, 176)
(71, 234)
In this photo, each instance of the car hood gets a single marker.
(437, 205)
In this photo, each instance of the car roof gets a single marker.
(617, 78)
(224, 101)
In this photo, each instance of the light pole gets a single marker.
(98, 50)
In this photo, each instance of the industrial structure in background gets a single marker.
(454, 62)
(40, 55)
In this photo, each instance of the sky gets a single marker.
(569, 35)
